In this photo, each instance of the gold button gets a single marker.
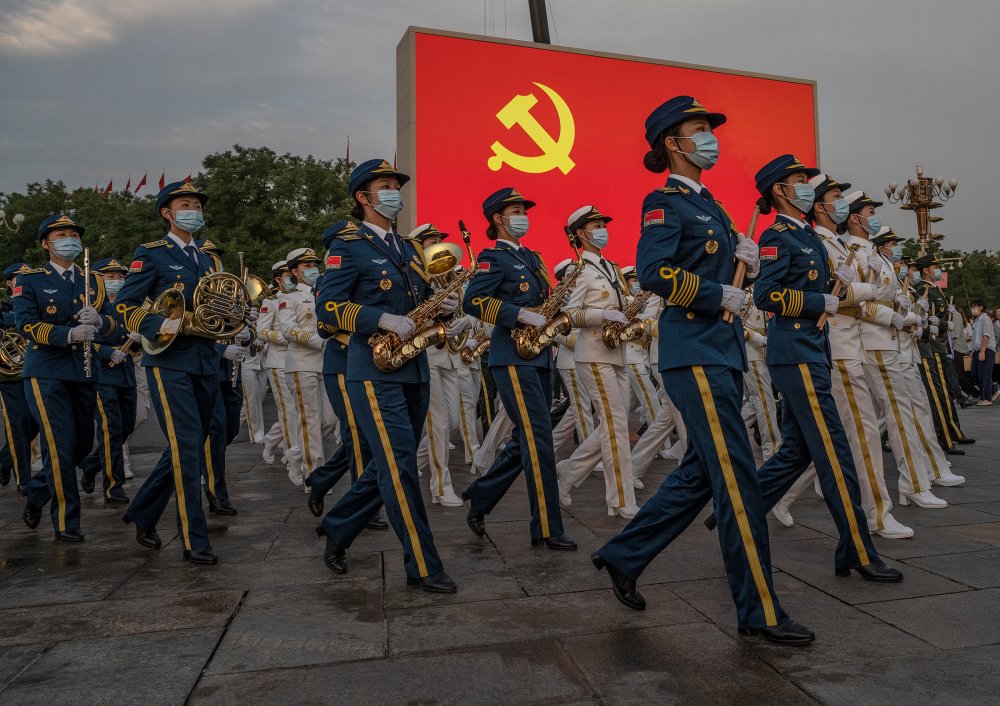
(833, 322)
(798, 326)
(73, 347)
(690, 314)
(812, 262)
(711, 232)
(35, 346)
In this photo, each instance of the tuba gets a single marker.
(614, 334)
(389, 351)
(12, 350)
(532, 340)
(220, 309)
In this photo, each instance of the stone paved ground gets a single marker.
(110, 622)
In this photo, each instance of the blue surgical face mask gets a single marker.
(113, 286)
(390, 203)
(67, 248)
(840, 211)
(189, 221)
(288, 283)
(897, 253)
(804, 197)
(937, 273)
(635, 288)
(598, 238)
(901, 275)
(915, 277)
(310, 275)
(706, 150)
(872, 224)
(517, 224)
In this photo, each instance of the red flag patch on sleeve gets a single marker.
(769, 253)
(333, 262)
(263, 310)
(136, 266)
(652, 218)
(17, 291)
(281, 305)
(484, 266)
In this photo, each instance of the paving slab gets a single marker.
(976, 569)
(956, 620)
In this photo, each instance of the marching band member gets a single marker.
(116, 400)
(497, 434)
(253, 377)
(50, 311)
(274, 361)
(637, 354)
(793, 285)
(597, 300)
(758, 381)
(511, 280)
(374, 279)
(183, 379)
(315, 433)
(470, 390)
(20, 426)
(579, 416)
(688, 259)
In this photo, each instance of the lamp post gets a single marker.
(18, 220)
(921, 195)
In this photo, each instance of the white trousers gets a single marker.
(580, 411)
(254, 389)
(657, 436)
(470, 387)
(923, 423)
(442, 417)
(316, 430)
(642, 386)
(757, 382)
(498, 433)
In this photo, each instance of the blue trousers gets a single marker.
(353, 454)
(183, 403)
(982, 373)
(115, 424)
(391, 417)
(812, 433)
(20, 427)
(65, 413)
(718, 464)
(526, 392)
(225, 427)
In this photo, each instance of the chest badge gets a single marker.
(524, 286)
(813, 275)
(605, 294)
(50, 291)
(179, 286)
(385, 285)
(704, 219)
(712, 247)
(50, 309)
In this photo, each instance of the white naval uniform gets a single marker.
(757, 382)
(442, 418)
(280, 432)
(254, 378)
(600, 287)
(315, 434)
(578, 416)
(470, 387)
(637, 365)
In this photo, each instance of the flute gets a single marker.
(88, 349)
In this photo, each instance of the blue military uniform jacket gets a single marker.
(156, 267)
(794, 276)
(364, 279)
(507, 279)
(45, 307)
(685, 255)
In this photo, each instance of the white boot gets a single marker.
(924, 498)
(627, 512)
(449, 499)
(782, 515)
(948, 480)
(894, 529)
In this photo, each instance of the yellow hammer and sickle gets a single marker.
(555, 152)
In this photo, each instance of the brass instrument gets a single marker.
(88, 348)
(12, 350)
(221, 306)
(258, 291)
(532, 340)
(615, 333)
(389, 351)
(455, 343)
(482, 340)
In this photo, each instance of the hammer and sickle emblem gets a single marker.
(555, 152)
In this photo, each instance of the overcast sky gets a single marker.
(97, 89)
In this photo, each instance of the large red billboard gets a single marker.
(566, 128)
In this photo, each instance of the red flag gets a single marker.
(107, 189)
(128, 184)
(162, 182)
(142, 183)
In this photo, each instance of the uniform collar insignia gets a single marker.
(379, 261)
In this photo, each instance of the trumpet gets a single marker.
(532, 340)
(482, 340)
(389, 351)
(614, 333)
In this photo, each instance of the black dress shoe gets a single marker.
(22, 490)
(477, 522)
(5, 474)
(202, 557)
(377, 524)
(966, 403)
(87, 483)
(335, 557)
(117, 500)
(438, 583)
(315, 502)
(32, 515)
(954, 452)
(878, 570)
(624, 586)
(148, 537)
(710, 523)
(220, 507)
(965, 439)
(562, 542)
(69, 536)
(787, 633)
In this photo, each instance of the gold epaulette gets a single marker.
(31, 271)
(779, 227)
(669, 190)
(154, 244)
(349, 236)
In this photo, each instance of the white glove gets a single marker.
(135, 337)
(254, 315)
(117, 357)
(243, 337)
(911, 319)
(845, 274)
(82, 332)
(934, 321)
(897, 321)
(875, 263)
(471, 344)
(458, 325)
(732, 299)
(170, 326)
(934, 330)
(923, 321)
(291, 335)
(234, 352)
(614, 316)
(402, 326)
(952, 309)
(748, 252)
(758, 341)
(88, 315)
(450, 303)
(951, 326)
(830, 303)
(530, 318)
(923, 304)
(903, 301)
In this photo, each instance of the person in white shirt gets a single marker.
(280, 433)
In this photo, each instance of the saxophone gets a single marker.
(389, 351)
(482, 340)
(615, 333)
(532, 340)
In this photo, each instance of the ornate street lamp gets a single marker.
(18, 220)
(921, 195)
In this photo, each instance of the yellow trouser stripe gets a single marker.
(764, 405)
(859, 429)
(300, 403)
(645, 393)
(207, 450)
(390, 457)
(433, 453)
(355, 439)
(175, 460)
(831, 455)
(50, 442)
(282, 414)
(529, 436)
(461, 416)
(609, 424)
(579, 406)
(923, 442)
(722, 451)
(899, 424)
(947, 399)
(937, 403)
(106, 435)
(486, 400)
(10, 440)
(246, 406)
